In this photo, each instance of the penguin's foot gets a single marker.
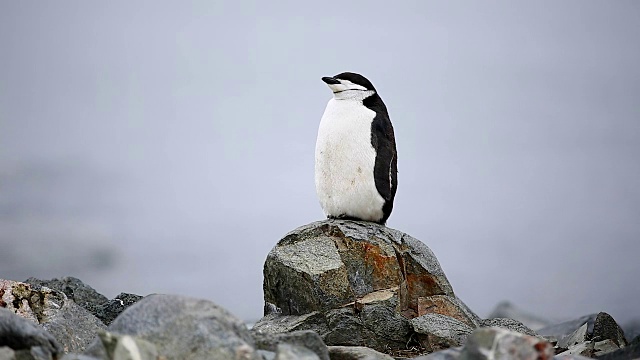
(344, 217)
(352, 218)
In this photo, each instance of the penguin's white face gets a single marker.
(347, 90)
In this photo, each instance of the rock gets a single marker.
(339, 261)
(582, 349)
(126, 347)
(577, 337)
(448, 306)
(570, 357)
(18, 333)
(600, 327)
(564, 329)
(509, 324)
(110, 309)
(71, 325)
(604, 347)
(627, 353)
(34, 353)
(6, 353)
(376, 325)
(82, 294)
(506, 309)
(275, 324)
(184, 328)
(497, 343)
(448, 354)
(72, 356)
(306, 338)
(356, 353)
(294, 352)
(267, 355)
(438, 332)
(360, 280)
(605, 327)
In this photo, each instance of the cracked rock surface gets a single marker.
(362, 282)
(71, 325)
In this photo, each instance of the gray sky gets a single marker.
(166, 147)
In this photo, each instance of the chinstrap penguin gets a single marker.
(356, 163)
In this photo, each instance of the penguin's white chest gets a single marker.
(345, 162)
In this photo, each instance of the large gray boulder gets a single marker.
(183, 328)
(71, 325)
(355, 283)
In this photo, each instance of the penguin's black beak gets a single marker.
(330, 80)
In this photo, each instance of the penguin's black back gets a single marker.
(385, 171)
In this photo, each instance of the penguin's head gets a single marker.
(349, 85)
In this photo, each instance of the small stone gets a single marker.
(449, 306)
(497, 343)
(294, 352)
(571, 357)
(35, 353)
(109, 310)
(267, 355)
(509, 324)
(276, 324)
(356, 353)
(306, 338)
(604, 347)
(582, 349)
(72, 356)
(438, 332)
(6, 353)
(126, 347)
(447, 354)
(577, 337)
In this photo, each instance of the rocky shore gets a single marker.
(336, 290)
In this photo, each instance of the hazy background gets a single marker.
(165, 147)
